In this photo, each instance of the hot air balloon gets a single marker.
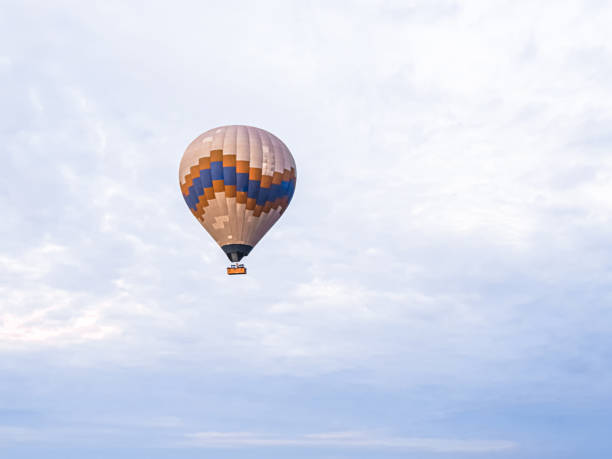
(237, 181)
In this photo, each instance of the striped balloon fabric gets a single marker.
(237, 181)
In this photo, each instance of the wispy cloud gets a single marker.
(16, 434)
(346, 440)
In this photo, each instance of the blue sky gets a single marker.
(439, 286)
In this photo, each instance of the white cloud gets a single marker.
(347, 440)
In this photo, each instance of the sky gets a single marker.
(440, 286)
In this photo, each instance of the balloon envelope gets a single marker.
(237, 181)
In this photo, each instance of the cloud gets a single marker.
(34, 313)
(421, 193)
(15, 434)
(346, 440)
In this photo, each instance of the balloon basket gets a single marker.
(235, 268)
